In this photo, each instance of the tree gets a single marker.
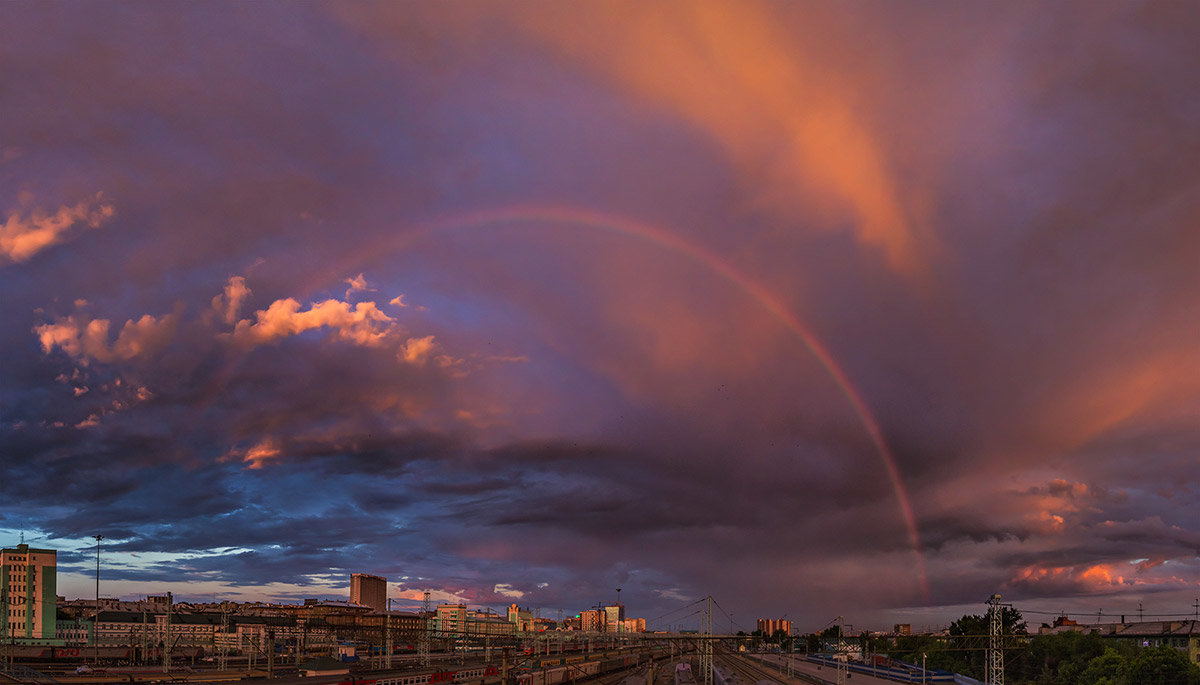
(1162, 665)
(1109, 667)
(1059, 658)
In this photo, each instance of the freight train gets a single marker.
(572, 672)
(456, 676)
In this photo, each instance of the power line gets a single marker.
(686, 606)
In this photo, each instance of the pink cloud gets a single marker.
(87, 339)
(361, 324)
(357, 284)
(228, 303)
(23, 237)
(417, 350)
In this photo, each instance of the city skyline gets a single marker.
(823, 309)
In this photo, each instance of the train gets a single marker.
(576, 671)
(683, 674)
(429, 677)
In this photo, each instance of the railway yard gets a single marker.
(661, 664)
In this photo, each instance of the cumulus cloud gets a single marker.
(229, 303)
(358, 284)
(361, 324)
(87, 339)
(418, 350)
(22, 237)
(507, 590)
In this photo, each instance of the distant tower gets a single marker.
(369, 590)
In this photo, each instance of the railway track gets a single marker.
(748, 673)
(619, 676)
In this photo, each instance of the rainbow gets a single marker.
(666, 240)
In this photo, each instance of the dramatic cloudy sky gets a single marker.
(858, 308)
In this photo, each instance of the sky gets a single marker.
(861, 309)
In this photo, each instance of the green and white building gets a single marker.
(28, 583)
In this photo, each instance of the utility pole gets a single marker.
(387, 634)
(166, 655)
(96, 620)
(301, 639)
(706, 647)
(423, 641)
(842, 657)
(223, 660)
(995, 652)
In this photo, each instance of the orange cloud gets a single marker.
(258, 455)
(361, 324)
(88, 339)
(1100, 577)
(357, 284)
(23, 237)
(228, 303)
(1105, 397)
(793, 125)
(1095, 577)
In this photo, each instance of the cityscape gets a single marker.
(362, 636)
(519, 340)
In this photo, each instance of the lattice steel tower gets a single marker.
(423, 641)
(995, 651)
(706, 645)
(843, 652)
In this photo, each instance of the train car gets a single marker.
(456, 676)
(603, 663)
(683, 674)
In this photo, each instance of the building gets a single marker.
(403, 627)
(368, 590)
(769, 626)
(456, 620)
(633, 625)
(592, 620)
(613, 616)
(28, 603)
(521, 618)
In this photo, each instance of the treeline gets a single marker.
(1057, 659)
(1067, 658)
